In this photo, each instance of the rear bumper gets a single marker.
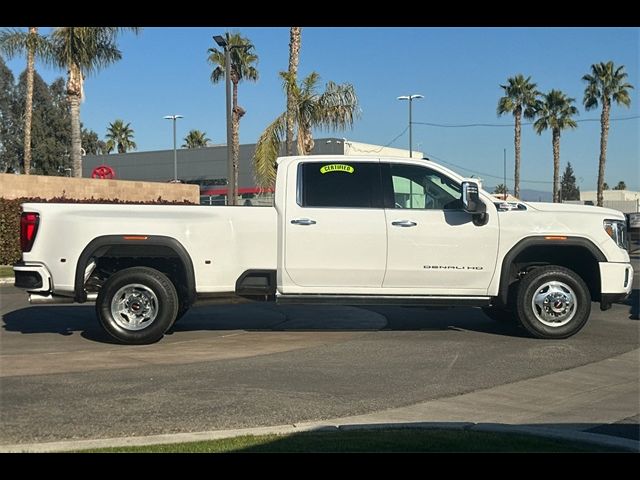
(33, 277)
(616, 280)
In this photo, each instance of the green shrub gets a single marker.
(10, 220)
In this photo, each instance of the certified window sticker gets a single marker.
(337, 167)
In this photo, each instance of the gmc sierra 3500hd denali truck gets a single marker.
(344, 230)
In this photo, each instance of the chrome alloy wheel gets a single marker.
(134, 307)
(554, 304)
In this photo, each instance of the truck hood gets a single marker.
(572, 208)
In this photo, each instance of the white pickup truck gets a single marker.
(344, 230)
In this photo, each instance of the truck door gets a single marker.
(434, 244)
(334, 227)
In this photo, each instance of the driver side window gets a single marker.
(417, 187)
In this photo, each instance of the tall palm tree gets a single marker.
(335, 108)
(107, 147)
(519, 99)
(13, 42)
(500, 189)
(196, 139)
(120, 136)
(294, 58)
(243, 58)
(83, 50)
(604, 84)
(555, 112)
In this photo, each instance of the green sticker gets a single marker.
(336, 167)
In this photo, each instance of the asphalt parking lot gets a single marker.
(237, 366)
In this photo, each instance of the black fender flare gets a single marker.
(537, 241)
(133, 239)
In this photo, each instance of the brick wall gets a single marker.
(16, 186)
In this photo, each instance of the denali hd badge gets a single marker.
(449, 267)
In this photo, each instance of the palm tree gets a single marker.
(620, 186)
(294, 58)
(604, 84)
(335, 108)
(520, 100)
(83, 50)
(107, 147)
(242, 67)
(13, 42)
(555, 112)
(196, 139)
(501, 189)
(121, 136)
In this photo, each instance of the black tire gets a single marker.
(148, 305)
(569, 317)
(501, 315)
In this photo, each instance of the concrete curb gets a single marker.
(7, 280)
(622, 444)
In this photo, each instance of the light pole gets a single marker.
(410, 98)
(504, 150)
(175, 152)
(231, 184)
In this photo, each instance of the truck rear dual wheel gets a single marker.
(553, 302)
(137, 305)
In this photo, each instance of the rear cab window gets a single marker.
(339, 184)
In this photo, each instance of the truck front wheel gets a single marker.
(553, 302)
(137, 305)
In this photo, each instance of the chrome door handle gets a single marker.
(404, 223)
(303, 221)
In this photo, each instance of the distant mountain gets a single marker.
(535, 196)
(529, 195)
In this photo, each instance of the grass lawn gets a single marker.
(6, 271)
(407, 440)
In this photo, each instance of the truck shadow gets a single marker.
(64, 321)
(67, 320)
(634, 302)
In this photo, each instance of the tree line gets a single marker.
(606, 85)
(49, 120)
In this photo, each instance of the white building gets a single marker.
(626, 201)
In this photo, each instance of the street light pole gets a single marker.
(410, 98)
(504, 150)
(231, 184)
(175, 151)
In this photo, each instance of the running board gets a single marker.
(408, 300)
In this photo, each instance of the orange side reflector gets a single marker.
(555, 238)
(135, 237)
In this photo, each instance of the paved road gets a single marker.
(260, 364)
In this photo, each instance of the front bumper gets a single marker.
(616, 281)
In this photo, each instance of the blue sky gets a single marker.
(458, 70)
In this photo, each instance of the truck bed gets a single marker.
(223, 241)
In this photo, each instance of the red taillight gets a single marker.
(28, 229)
